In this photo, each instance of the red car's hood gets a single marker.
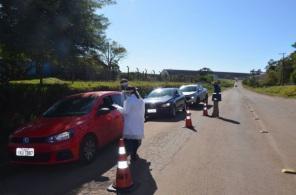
(50, 126)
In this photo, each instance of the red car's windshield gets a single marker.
(71, 107)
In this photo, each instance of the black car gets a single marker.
(164, 102)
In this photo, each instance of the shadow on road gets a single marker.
(199, 107)
(179, 117)
(229, 120)
(192, 129)
(144, 181)
(59, 179)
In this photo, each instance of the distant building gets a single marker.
(169, 74)
(180, 75)
(230, 75)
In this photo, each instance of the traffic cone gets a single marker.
(124, 181)
(205, 109)
(188, 122)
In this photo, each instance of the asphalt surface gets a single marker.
(227, 155)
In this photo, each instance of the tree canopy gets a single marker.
(54, 31)
(278, 72)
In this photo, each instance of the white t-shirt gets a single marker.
(134, 117)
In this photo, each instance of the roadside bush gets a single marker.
(271, 78)
(252, 81)
(207, 78)
(293, 77)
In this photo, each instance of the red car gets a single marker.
(72, 129)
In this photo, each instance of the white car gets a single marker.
(195, 93)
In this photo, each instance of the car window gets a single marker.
(107, 102)
(71, 107)
(179, 92)
(188, 88)
(117, 99)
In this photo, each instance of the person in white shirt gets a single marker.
(134, 117)
(123, 87)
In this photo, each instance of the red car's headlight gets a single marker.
(61, 137)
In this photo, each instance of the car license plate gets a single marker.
(151, 110)
(25, 151)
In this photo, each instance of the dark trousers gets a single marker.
(216, 109)
(132, 146)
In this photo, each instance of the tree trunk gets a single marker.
(39, 71)
(72, 76)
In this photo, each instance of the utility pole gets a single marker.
(138, 73)
(127, 72)
(282, 69)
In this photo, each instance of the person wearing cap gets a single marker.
(134, 117)
(123, 87)
(216, 98)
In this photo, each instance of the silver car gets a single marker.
(195, 93)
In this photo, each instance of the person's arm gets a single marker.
(119, 108)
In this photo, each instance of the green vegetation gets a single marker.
(279, 77)
(144, 86)
(283, 91)
(68, 35)
(281, 72)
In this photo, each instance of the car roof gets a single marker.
(94, 93)
(172, 88)
(192, 85)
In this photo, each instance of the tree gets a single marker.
(271, 65)
(111, 53)
(259, 72)
(271, 78)
(205, 71)
(55, 30)
(253, 72)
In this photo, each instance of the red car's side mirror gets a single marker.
(103, 111)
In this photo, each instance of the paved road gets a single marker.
(220, 156)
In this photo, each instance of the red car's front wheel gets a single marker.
(88, 149)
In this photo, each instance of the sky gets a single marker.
(223, 35)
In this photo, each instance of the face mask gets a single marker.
(124, 85)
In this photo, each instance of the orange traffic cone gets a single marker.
(124, 180)
(205, 109)
(188, 122)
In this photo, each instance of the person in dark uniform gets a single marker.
(216, 98)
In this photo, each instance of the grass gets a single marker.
(92, 85)
(288, 91)
(144, 86)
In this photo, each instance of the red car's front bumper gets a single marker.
(45, 153)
